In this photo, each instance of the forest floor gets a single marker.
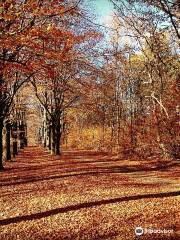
(87, 195)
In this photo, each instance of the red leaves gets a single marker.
(36, 34)
(40, 198)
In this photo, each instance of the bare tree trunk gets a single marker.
(8, 141)
(159, 140)
(1, 123)
(53, 139)
(50, 137)
(1, 145)
(58, 138)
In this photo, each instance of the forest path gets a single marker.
(86, 195)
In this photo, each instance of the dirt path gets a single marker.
(86, 195)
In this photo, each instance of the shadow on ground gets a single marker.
(52, 212)
(38, 166)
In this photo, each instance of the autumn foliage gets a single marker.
(119, 94)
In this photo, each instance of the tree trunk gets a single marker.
(15, 149)
(8, 141)
(1, 145)
(53, 141)
(1, 122)
(159, 139)
(58, 138)
(50, 137)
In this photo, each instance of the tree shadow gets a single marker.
(36, 216)
(72, 163)
(31, 191)
(46, 173)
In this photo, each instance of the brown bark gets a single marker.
(1, 145)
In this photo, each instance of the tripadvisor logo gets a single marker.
(139, 231)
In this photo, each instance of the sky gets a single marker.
(103, 9)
